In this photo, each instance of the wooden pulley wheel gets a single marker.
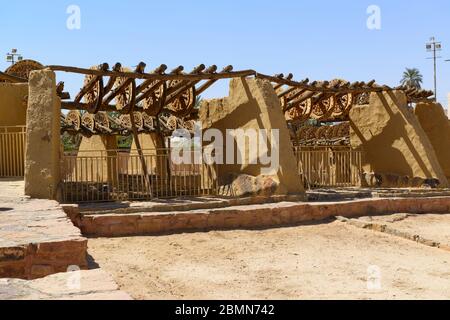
(138, 121)
(184, 103)
(149, 122)
(125, 96)
(73, 118)
(172, 123)
(154, 103)
(301, 111)
(323, 109)
(102, 119)
(88, 121)
(125, 121)
(22, 69)
(94, 97)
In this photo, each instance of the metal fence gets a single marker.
(329, 166)
(116, 175)
(12, 151)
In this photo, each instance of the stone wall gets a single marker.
(253, 104)
(13, 104)
(251, 216)
(436, 125)
(36, 236)
(393, 139)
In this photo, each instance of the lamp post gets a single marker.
(11, 56)
(434, 46)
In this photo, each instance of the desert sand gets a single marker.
(330, 260)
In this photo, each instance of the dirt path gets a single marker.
(325, 261)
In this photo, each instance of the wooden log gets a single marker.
(296, 95)
(90, 85)
(209, 83)
(124, 86)
(286, 92)
(117, 67)
(165, 77)
(10, 78)
(315, 86)
(305, 96)
(178, 70)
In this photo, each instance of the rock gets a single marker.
(390, 180)
(431, 183)
(417, 182)
(371, 180)
(244, 185)
(404, 182)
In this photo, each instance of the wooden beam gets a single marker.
(10, 78)
(209, 83)
(154, 76)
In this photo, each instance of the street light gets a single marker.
(434, 47)
(11, 56)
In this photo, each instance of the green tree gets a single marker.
(412, 78)
(198, 102)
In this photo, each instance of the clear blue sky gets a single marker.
(316, 39)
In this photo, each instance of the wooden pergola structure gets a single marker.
(120, 101)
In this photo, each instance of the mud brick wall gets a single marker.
(39, 260)
(250, 216)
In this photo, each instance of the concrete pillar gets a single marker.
(42, 158)
(392, 138)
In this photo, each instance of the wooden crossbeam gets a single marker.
(10, 78)
(154, 76)
(209, 83)
(295, 93)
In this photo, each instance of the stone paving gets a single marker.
(78, 285)
(38, 246)
(36, 237)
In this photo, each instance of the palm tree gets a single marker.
(412, 78)
(198, 102)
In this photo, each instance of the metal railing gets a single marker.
(329, 166)
(114, 175)
(12, 151)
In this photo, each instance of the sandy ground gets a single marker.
(324, 261)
